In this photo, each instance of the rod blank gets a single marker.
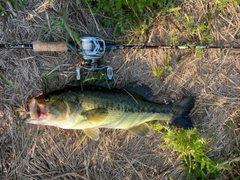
(62, 47)
(114, 47)
(16, 46)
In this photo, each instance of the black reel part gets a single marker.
(91, 64)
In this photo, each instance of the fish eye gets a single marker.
(46, 98)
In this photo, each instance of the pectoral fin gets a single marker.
(141, 130)
(93, 133)
(96, 115)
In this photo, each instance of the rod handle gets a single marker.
(49, 46)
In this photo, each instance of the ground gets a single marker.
(211, 76)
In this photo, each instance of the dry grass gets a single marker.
(34, 152)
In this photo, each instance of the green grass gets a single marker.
(222, 3)
(157, 71)
(192, 148)
(9, 82)
(15, 5)
(3, 10)
(198, 31)
(61, 23)
(56, 77)
(161, 72)
(18, 4)
(133, 15)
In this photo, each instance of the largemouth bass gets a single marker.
(97, 107)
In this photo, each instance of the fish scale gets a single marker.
(124, 102)
(98, 107)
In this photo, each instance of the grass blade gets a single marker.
(174, 9)
(7, 80)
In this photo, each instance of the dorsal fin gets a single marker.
(141, 90)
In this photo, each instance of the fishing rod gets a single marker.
(92, 48)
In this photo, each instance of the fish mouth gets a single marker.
(38, 111)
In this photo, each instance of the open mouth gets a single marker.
(37, 111)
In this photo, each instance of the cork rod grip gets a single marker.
(49, 46)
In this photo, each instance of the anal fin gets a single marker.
(93, 133)
(141, 130)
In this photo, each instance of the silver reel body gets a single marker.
(92, 49)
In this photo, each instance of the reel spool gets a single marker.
(92, 49)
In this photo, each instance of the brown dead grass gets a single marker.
(34, 152)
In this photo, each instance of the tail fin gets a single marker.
(181, 110)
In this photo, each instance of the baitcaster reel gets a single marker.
(92, 49)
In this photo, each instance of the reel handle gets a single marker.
(49, 46)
